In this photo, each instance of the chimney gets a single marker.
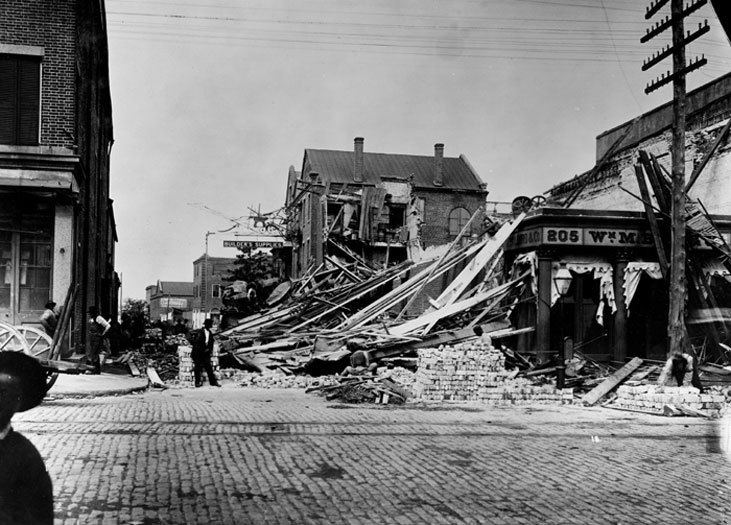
(358, 169)
(438, 164)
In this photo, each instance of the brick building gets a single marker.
(170, 300)
(57, 227)
(208, 284)
(386, 207)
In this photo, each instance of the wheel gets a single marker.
(11, 340)
(39, 342)
(20, 339)
(538, 201)
(521, 204)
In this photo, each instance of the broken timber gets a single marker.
(611, 382)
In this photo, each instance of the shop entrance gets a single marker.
(647, 321)
(26, 247)
(575, 316)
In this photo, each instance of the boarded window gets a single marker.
(20, 91)
(458, 217)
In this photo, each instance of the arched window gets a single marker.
(458, 217)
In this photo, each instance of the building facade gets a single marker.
(598, 278)
(384, 207)
(57, 230)
(209, 280)
(170, 300)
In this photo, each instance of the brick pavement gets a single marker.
(257, 456)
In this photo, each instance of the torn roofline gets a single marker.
(660, 118)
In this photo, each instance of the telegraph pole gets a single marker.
(677, 283)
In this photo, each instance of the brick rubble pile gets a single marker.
(185, 366)
(474, 371)
(276, 380)
(654, 398)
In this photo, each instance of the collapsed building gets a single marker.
(386, 208)
(594, 248)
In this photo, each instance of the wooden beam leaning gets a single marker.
(657, 181)
(436, 265)
(652, 219)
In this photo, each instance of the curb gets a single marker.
(50, 396)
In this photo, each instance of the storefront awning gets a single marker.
(715, 267)
(632, 274)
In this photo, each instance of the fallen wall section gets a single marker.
(475, 371)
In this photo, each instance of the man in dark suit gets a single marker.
(26, 493)
(202, 351)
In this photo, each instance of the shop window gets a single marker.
(458, 218)
(216, 291)
(20, 93)
(26, 259)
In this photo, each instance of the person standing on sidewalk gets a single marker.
(201, 353)
(26, 492)
(97, 330)
(48, 319)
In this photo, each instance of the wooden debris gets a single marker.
(611, 382)
(133, 369)
(154, 378)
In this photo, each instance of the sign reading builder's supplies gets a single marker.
(252, 244)
(549, 235)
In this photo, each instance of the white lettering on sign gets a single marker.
(525, 238)
(580, 236)
(252, 244)
(562, 235)
(611, 237)
(173, 302)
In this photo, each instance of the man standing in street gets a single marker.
(202, 351)
(98, 328)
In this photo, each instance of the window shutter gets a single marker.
(28, 100)
(8, 99)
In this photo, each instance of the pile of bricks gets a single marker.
(276, 380)
(668, 400)
(185, 366)
(475, 371)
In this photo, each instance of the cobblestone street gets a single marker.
(257, 456)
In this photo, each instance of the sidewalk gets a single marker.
(104, 384)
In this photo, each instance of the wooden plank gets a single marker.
(404, 290)
(659, 188)
(438, 263)
(652, 219)
(133, 369)
(478, 262)
(639, 376)
(437, 315)
(611, 382)
(692, 412)
(154, 378)
(502, 334)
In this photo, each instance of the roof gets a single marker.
(175, 288)
(337, 167)
(213, 259)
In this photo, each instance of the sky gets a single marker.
(214, 99)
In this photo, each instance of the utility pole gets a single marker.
(677, 284)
